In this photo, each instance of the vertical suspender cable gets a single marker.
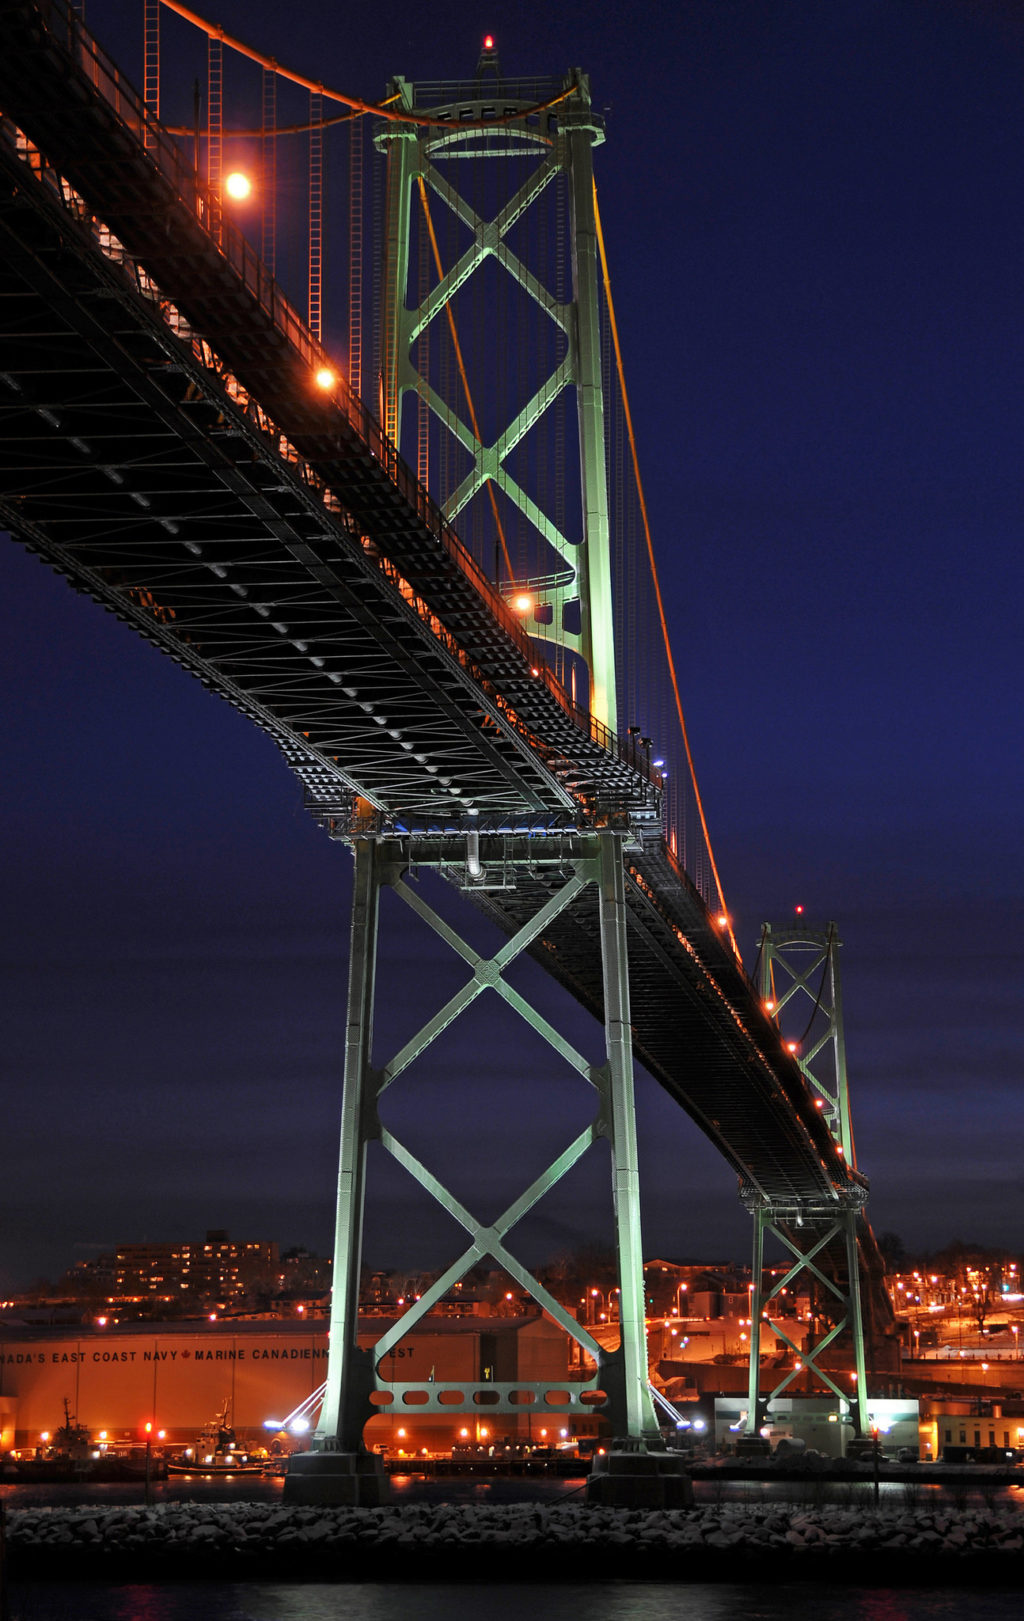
(654, 572)
(268, 189)
(355, 257)
(151, 66)
(422, 361)
(453, 329)
(316, 213)
(214, 126)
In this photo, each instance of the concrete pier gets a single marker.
(348, 1479)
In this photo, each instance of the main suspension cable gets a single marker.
(405, 116)
(654, 570)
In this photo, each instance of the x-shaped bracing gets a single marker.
(489, 1239)
(805, 1262)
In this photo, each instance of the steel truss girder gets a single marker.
(807, 1230)
(176, 376)
(594, 860)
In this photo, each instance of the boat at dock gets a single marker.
(216, 1452)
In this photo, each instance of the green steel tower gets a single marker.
(489, 185)
(800, 972)
(487, 441)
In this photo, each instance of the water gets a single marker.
(502, 1601)
(499, 1489)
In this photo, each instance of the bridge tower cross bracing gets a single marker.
(799, 968)
(428, 190)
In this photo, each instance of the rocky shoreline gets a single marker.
(519, 1542)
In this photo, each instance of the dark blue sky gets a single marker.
(816, 238)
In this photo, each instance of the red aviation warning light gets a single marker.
(488, 42)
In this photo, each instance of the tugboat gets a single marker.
(215, 1452)
(70, 1455)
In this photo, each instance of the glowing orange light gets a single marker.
(770, 1006)
(534, 670)
(238, 186)
(791, 1046)
(522, 603)
(326, 378)
(722, 920)
(819, 1103)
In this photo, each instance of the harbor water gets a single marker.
(498, 1601)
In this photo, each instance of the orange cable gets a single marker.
(355, 102)
(654, 568)
(462, 372)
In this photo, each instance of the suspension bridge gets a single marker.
(419, 558)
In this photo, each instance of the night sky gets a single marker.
(814, 221)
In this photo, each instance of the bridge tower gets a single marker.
(501, 219)
(800, 966)
(480, 435)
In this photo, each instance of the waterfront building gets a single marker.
(175, 1376)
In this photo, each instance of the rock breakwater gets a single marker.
(730, 1542)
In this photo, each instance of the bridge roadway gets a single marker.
(163, 446)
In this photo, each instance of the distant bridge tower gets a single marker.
(800, 973)
(491, 372)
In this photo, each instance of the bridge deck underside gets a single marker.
(696, 1027)
(129, 467)
(262, 513)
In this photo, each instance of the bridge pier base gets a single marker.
(627, 1477)
(350, 1479)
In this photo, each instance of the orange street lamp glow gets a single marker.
(522, 603)
(238, 186)
(326, 378)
